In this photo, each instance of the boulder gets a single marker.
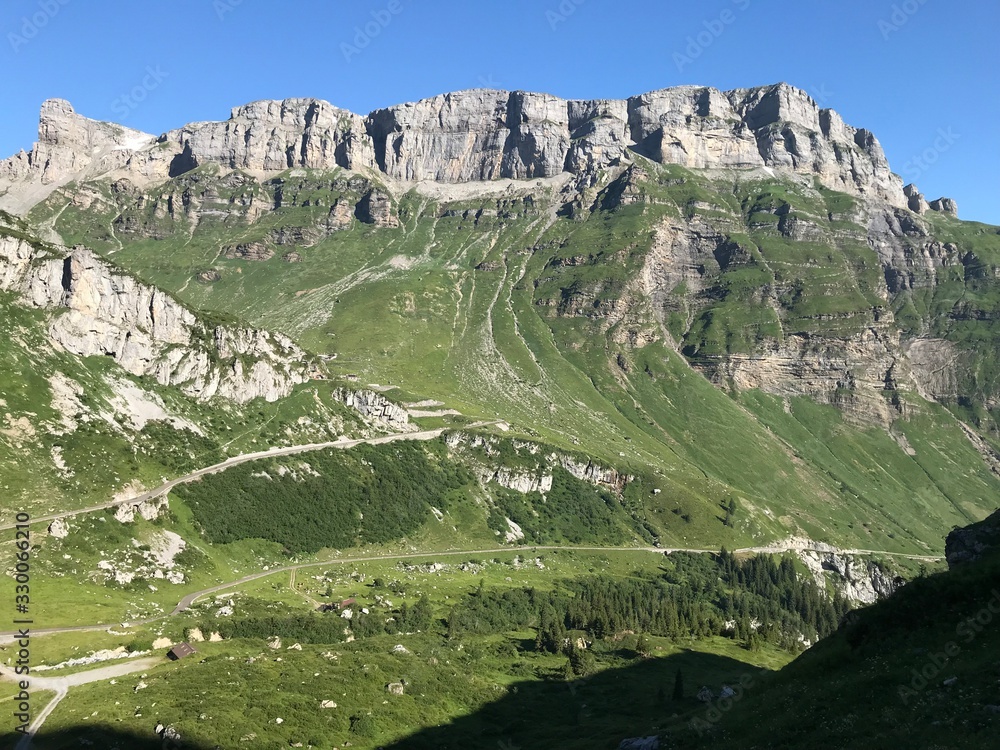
(915, 199)
(395, 688)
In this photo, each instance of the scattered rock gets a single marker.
(59, 529)
(209, 277)
(274, 643)
(327, 704)
(292, 257)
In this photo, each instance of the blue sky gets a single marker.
(921, 74)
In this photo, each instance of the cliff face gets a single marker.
(821, 331)
(100, 311)
(475, 136)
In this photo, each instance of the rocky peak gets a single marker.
(70, 147)
(919, 205)
(944, 205)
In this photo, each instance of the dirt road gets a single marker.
(61, 685)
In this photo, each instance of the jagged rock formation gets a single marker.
(973, 542)
(539, 477)
(249, 251)
(916, 202)
(99, 310)
(857, 578)
(69, 147)
(376, 408)
(471, 136)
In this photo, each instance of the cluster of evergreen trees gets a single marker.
(573, 511)
(756, 600)
(753, 601)
(370, 494)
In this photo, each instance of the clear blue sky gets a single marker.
(909, 70)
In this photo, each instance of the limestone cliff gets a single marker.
(97, 310)
(474, 136)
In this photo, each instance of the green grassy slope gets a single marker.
(503, 309)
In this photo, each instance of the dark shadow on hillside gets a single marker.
(99, 739)
(595, 712)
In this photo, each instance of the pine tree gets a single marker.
(679, 686)
(642, 647)
(421, 615)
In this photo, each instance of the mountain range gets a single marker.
(686, 320)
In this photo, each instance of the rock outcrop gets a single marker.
(249, 251)
(858, 578)
(536, 479)
(473, 136)
(98, 310)
(973, 542)
(376, 408)
(944, 205)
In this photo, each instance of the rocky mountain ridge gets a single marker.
(474, 136)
